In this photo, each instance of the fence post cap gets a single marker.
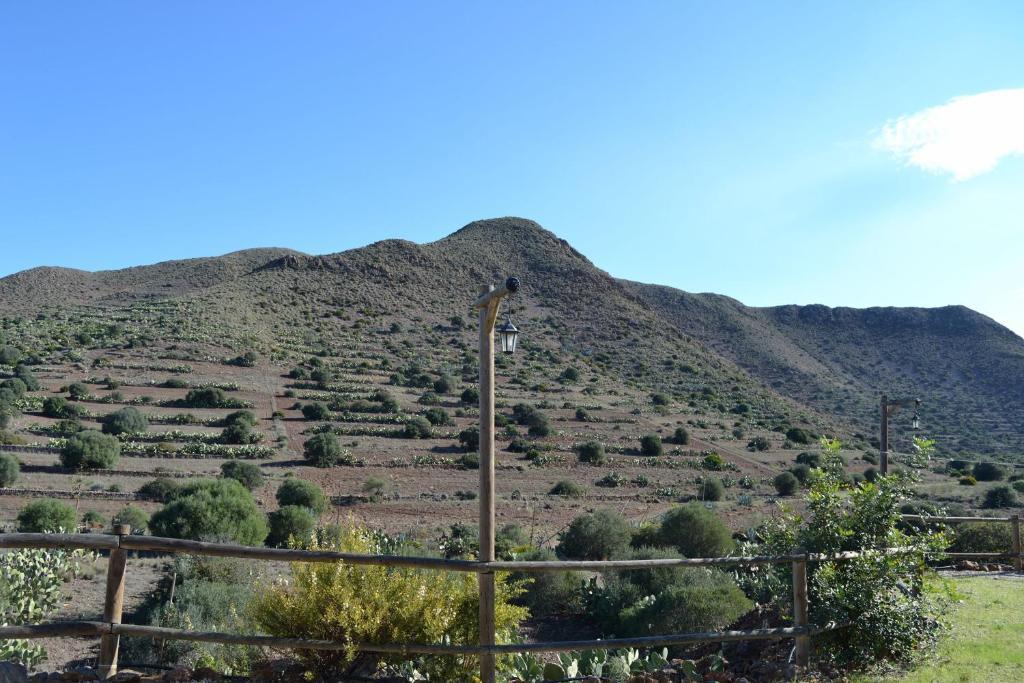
(123, 529)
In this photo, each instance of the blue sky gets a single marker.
(752, 149)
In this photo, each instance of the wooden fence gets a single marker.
(122, 542)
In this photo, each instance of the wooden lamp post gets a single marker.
(890, 408)
(490, 299)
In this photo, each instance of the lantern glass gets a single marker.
(916, 423)
(508, 335)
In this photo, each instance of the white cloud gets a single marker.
(965, 137)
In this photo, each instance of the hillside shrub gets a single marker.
(981, 537)
(799, 436)
(47, 515)
(568, 375)
(786, 484)
(10, 468)
(78, 391)
(58, 407)
(211, 509)
(810, 459)
(802, 474)
(10, 355)
(591, 452)
(548, 594)
(248, 474)
(601, 535)
(90, 450)
(538, 425)
(989, 471)
(470, 438)
(1001, 496)
(161, 489)
(567, 488)
(650, 444)
(316, 411)
(24, 373)
(470, 396)
(303, 493)
(695, 531)
(133, 516)
(968, 480)
(290, 525)
(322, 450)
(438, 417)
(205, 397)
(758, 443)
(127, 420)
(381, 605)
(418, 428)
(681, 436)
(710, 489)
(444, 384)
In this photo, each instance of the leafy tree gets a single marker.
(591, 452)
(316, 411)
(127, 420)
(695, 531)
(650, 444)
(550, 593)
(90, 450)
(601, 535)
(248, 474)
(211, 509)
(322, 450)
(290, 522)
(304, 493)
(786, 484)
(10, 468)
(47, 515)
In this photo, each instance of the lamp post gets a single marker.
(890, 408)
(488, 303)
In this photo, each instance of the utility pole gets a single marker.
(890, 408)
(490, 299)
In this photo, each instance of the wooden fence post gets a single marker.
(113, 604)
(800, 611)
(485, 580)
(1015, 541)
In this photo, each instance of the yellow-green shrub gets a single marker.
(374, 604)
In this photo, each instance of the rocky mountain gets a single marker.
(811, 365)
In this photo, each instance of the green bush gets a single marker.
(470, 438)
(650, 444)
(582, 415)
(570, 374)
(968, 480)
(248, 474)
(601, 535)
(316, 411)
(238, 433)
(240, 417)
(47, 515)
(470, 396)
(695, 531)
(444, 384)
(550, 594)
(1000, 497)
(758, 443)
(438, 417)
(205, 397)
(78, 391)
(591, 452)
(809, 459)
(786, 484)
(799, 436)
(988, 471)
(802, 473)
(24, 373)
(90, 450)
(567, 488)
(10, 468)
(10, 355)
(538, 425)
(710, 489)
(981, 537)
(134, 517)
(127, 420)
(1018, 486)
(322, 450)
(303, 493)
(58, 407)
(161, 489)
(418, 428)
(217, 509)
(290, 522)
(681, 436)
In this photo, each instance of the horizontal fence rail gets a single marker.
(119, 544)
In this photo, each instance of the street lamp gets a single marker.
(488, 303)
(890, 408)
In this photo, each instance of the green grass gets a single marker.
(986, 644)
